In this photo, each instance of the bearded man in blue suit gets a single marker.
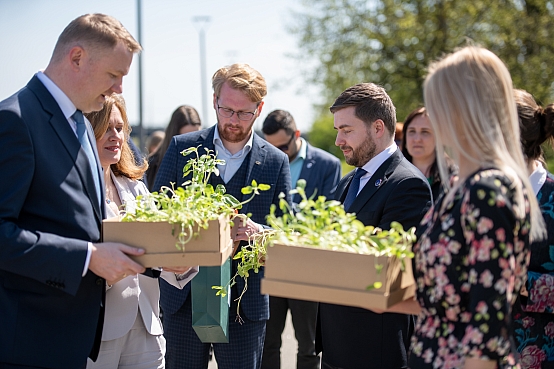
(238, 100)
(52, 267)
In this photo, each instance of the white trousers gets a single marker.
(138, 349)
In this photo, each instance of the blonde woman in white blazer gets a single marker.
(132, 334)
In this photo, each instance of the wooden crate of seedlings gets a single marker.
(210, 247)
(337, 277)
(322, 253)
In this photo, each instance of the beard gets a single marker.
(234, 136)
(362, 154)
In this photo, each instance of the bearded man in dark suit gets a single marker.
(384, 187)
(321, 171)
(237, 100)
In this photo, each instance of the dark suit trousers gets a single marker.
(355, 338)
(304, 315)
(14, 366)
(325, 365)
(184, 350)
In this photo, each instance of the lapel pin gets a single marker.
(258, 162)
(378, 182)
(309, 165)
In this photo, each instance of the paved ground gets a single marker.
(288, 350)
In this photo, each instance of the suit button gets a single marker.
(99, 281)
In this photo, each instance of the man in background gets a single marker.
(52, 266)
(322, 172)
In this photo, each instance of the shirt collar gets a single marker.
(302, 152)
(375, 162)
(65, 104)
(537, 178)
(217, 142)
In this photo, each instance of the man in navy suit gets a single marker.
(383, 188)
(52, 268)
(238, 100)
(321, 171)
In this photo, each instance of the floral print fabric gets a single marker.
(533, 315)
(469, 265)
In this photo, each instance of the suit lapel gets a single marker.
(342, 187)
(206, 139)
(256, 164)
(92, 191)
(377, 180)
(60, 125)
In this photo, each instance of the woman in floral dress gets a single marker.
(533, 313)
(470, 258)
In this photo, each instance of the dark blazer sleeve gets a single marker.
(27, 249)
(51, 315)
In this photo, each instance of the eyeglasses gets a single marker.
(228, 113)
(285, 147)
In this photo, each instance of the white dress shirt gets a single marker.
(232, 161)
(537, 178)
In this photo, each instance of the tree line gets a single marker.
(391, 43)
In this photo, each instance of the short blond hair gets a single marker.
(100, 121)
(97, 31)
(241, 77)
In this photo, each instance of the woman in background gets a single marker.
(534, 312)
(153, 141)
(132, 333)
(418, 146)
(472, 248)
(183, 120)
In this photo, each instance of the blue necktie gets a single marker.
(354, 188)
(87, 147)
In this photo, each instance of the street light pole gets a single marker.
(203, 21)
(139, 34)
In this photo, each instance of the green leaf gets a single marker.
(301, 183)
(247, 190)
(548, 266)
(374, 286)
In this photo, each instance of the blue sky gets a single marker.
(249, 31)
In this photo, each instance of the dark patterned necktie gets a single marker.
(87, 147)
(354, 188)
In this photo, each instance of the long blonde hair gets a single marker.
(469, 97)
